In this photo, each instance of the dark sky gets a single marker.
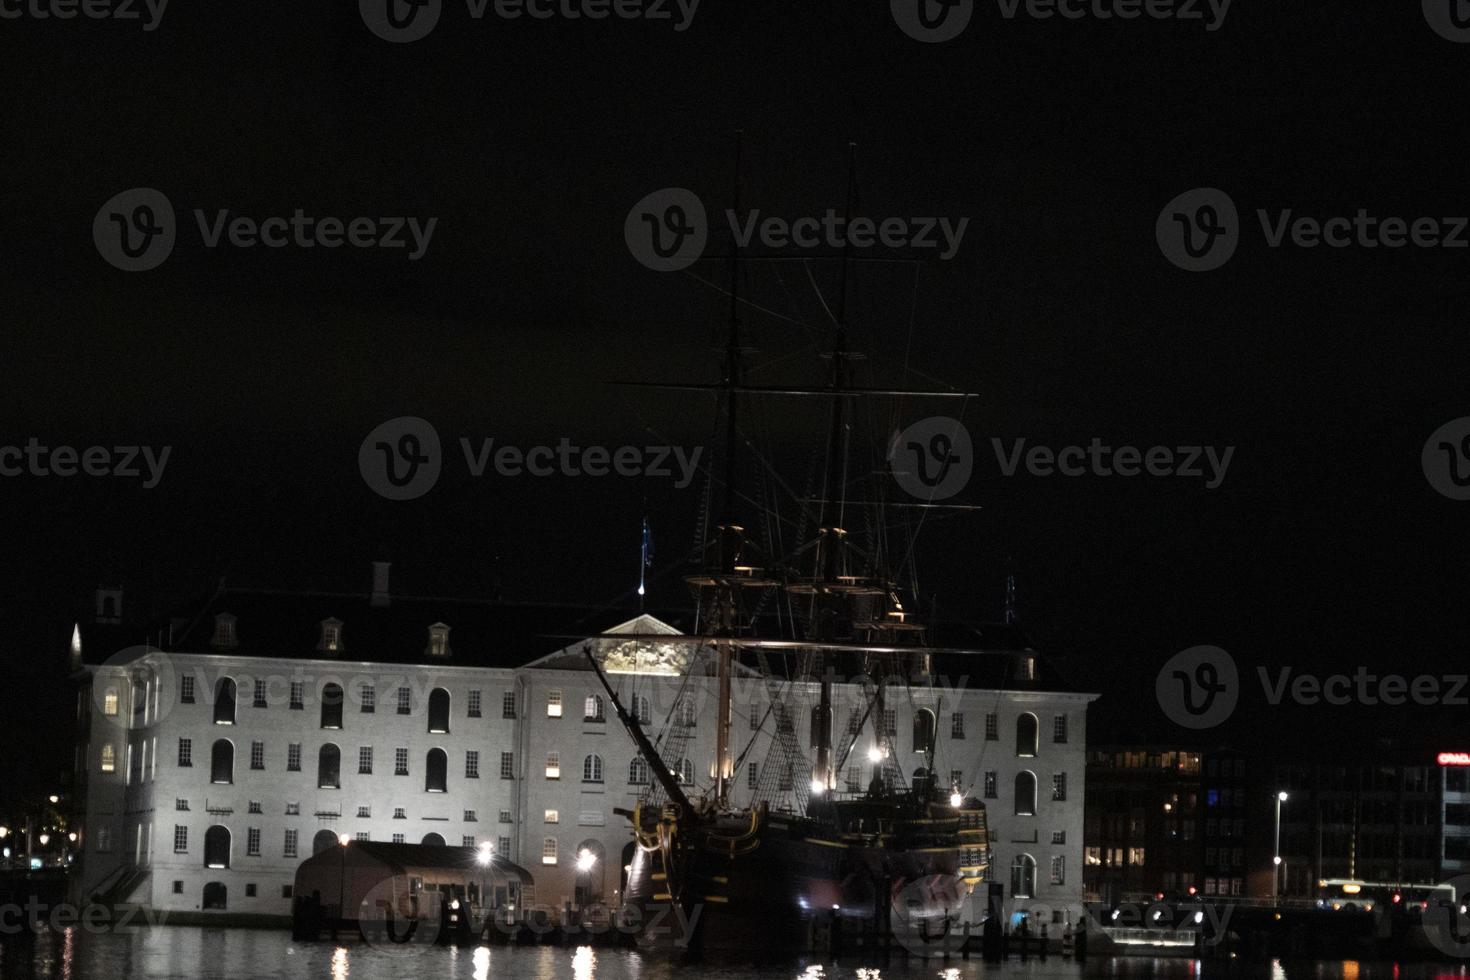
(529, 141)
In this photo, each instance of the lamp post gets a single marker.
(344, 840)
(1276, 851)
(585, 861)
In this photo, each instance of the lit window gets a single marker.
(331, 640)
(109, 758)
(438, 640)
(109, 702)
(553, 816)
(592, 708)
(553, 765)
(548, 850)
(553, 704)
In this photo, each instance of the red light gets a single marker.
(1159, 896)
(1397, 898)
(1192, 890)
(1454, 758)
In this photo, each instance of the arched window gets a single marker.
(686, 772)
(638, 772)
(332, 706)
(224, 702)
(215, 896)
(641, 709)
(432, 840)
(329, 767)
(591, 869)
(217, 847)
(592, 769)
(1023, 876)
(436, 771)
(222, 761)
(324, 840)
(1026, 735)
(439, 710)
(1025, 794)
(686, 713)
(592, 708)
(924, 731)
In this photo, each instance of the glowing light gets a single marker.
(45, 839)
(956, 798)
(344, 839)
(72, 837)
(1199, 917)
(1453, 758)
(339, 963)
(875, 754)
(454, 905)
(1351, 888)
(584, 963)
(481, 960)
(836, 907)
(4, 832)
(486, 853)
(1276, 859)
(818, 787)
(585, 860)
(1282, 796)
(54, 798)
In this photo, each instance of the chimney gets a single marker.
(380, 597)
(109, 604)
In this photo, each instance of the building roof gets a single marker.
(408, 858)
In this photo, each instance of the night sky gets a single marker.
(1324, 548)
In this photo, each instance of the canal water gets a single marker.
(185, 953)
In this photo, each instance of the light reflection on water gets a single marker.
(226, 954)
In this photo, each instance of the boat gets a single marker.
(806, 863)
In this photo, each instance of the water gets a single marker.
(185, 953)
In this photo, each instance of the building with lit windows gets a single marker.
(258, 728)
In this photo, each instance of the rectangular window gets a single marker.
(250, 890)
(285, 891)
(553, 765)
(298, 696)
(990, 785)
(472, 764)
(890, 721)
(553, 706)
(365, 760)
(186, 752)
(957, 725)
(751, 775)
(181, 839)
(293, 757)
(992, 728)
(756, 714)
(1058, 870)
(504, 816)
(109, 702)
(178, 887)
(365, 811)
(400, 762)
(1059, 837)
(1059, 728)
(508, 705)
(403, 701)
(104, 839)
(399, 813)
(254, 807)
(181, 804)
(548, 850)
(854, 778)
(293, 809)
(473, 700)
(552, 816)
(592, 708)
(398, 838)
(470, 816)
(1059, 786)
(257, 755)
(369, 699)
(468, 840)
(186, 689)
(507, 765)
(258, 700)
(362, 835)
(502, 844)
(108, 758)
(252, 842)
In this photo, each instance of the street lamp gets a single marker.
(585, 861)
(344, 840)
(1281, 798)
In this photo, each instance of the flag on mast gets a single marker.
(647, 557)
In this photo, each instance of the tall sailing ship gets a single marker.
(898, 856)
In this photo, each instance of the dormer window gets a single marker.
(224, 631)
(331, 641)
(438, 641)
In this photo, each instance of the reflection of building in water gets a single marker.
(261, 727)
